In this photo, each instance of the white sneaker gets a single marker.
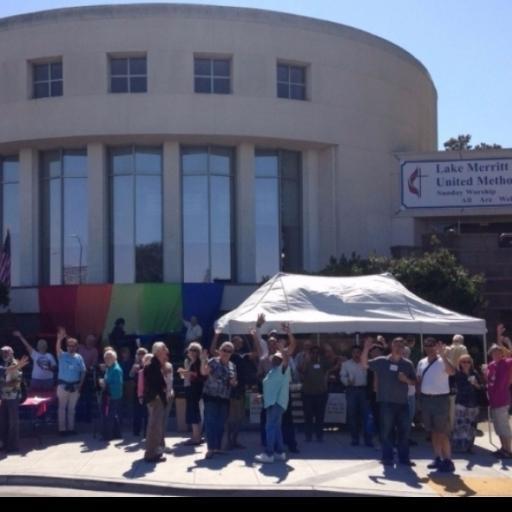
(280, 456)
(263, 457)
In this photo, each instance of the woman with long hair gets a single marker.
(193, 382)
(469, 384)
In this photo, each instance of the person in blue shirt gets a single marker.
(70, 381)
(276, 393)
(112, 386)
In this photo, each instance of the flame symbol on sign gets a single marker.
(411, 182)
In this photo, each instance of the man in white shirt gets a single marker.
(433, 374)
(194, 330)
(354, 376)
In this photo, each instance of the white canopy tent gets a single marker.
(317, 304)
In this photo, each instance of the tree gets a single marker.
(462, 143)
(435, 276)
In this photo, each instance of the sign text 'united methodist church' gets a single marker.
(456, 183)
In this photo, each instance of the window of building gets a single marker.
(291, 81)
(128, 74)
(207, 175)
(212, 76)
(278, 212)
(10, 211)
(64, 216)
(136, 253)
(47, 79)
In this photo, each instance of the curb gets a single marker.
(183, 490)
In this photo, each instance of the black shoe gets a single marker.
(63, 433)
(408, 462)
(447, 466)
(71, 432)
(435, 464)
(386, 462)
(156, 460)
(295, 449)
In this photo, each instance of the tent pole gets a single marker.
(488, 409)
(421, 342)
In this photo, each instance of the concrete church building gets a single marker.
(168, 143)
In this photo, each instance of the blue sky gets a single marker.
(465, 44)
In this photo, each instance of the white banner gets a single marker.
(336, 409)
(456, 183)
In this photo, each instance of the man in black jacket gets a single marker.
(155, 398)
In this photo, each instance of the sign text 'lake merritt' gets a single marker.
(457, 183)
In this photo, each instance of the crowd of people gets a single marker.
(384, 390)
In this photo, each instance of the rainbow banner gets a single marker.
(147, 308)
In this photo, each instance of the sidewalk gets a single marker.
(331, 468)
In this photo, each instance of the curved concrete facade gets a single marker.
(367, 100)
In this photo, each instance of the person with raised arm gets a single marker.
(194, 330)
(498, 375)
(44, 364)
(265, 365)
(276, 395)
(71, 378)
(220, 378)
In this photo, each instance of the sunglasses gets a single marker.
(227, 351)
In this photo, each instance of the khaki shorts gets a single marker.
(501, 421)
(435, 413)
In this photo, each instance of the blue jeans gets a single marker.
(411, 401)
(357, 413)
(215, 415)
(273, 429)
(394, 416)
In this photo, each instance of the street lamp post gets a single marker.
(80, 257)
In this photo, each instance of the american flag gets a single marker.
(5, 261)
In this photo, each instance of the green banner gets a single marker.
(161, 308)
